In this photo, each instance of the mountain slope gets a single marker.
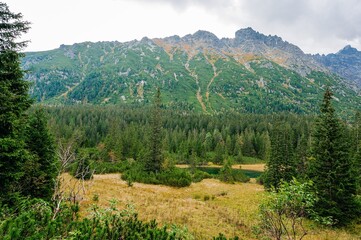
(250, 73)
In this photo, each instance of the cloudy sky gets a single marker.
(316, 26)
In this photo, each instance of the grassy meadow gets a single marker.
(206, 208)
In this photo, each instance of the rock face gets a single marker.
(346, 63)
(251, 72)
(250, 42)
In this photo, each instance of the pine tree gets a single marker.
(331, 169)
(14, 101)
(155, 159)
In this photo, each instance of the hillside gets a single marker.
(249, 73)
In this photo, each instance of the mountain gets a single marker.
(346, 63)
(251, 72)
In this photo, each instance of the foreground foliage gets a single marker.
(33, 220)
(27, 163)
(283, 211)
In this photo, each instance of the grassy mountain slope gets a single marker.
(251, 73)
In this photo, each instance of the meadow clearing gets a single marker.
(206, 208)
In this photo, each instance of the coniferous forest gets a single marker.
(50, 155)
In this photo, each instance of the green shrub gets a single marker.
(198, 176)
(33, 220)
(174, 177)
(223, 193)
(229, 175)
(102, 167)
(95, 197)
(282, 212)
(222, 237)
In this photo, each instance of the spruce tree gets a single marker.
(357, 151)
(14, 101)
(155, 159)
(357, 170)
(331, 169)
(41, 171)
(280, 165)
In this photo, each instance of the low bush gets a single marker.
(34, 221)
(234, 176)
(206, 197)
(102, 167)
(174, 177)
(230, 175)
(199, 175)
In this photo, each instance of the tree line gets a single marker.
(120, 132)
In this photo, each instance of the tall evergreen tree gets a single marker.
(357, 150)
(280, 165)
(14, 101)
(357, 169)
(331, 169)
(41, 171)
(155, 159)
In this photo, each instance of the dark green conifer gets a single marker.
(280, 165)
(41, 171)
(14, 101)
(155, 159)
(331, 168)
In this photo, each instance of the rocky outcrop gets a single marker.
(346, 63)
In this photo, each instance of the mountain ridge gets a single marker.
(251, 72)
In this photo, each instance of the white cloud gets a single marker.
(315, 26)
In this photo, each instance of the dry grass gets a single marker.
(231, 208)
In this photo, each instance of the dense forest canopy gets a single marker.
(123, 130)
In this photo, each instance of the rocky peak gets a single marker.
(249, 34)
(146, 40)
(204, 37)
(346, 63)
(348, 50)
(172, 39)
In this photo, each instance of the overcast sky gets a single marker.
(316, 26)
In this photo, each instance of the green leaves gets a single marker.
(282, 211)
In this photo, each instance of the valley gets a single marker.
(177, 138)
